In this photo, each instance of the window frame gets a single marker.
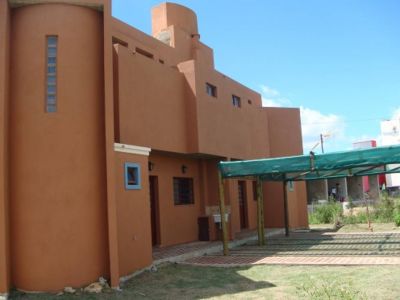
(51, 77)
(178, 202)
(236, 101)
(213, 90)
(137, 168)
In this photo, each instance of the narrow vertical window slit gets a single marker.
(51, 73)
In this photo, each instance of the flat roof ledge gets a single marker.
(132, 149)
(94, 4)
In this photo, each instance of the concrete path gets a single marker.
(186, 251)
(314, 248)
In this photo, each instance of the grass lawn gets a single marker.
(257, 282)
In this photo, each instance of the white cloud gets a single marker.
(272, 98)
(396, 114)
(276, 102)
(270, 102)
(269, 92)
(314, 123)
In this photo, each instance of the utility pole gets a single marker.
(322, 142)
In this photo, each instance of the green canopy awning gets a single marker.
(317, 166)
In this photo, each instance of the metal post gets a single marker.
(222, 213)
(322, 142)
(285, 207)
(260, 213)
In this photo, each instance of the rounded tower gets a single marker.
(57, 148)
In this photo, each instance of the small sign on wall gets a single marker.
(291, 186)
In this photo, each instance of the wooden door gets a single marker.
(153, 185)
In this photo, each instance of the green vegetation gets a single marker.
(397, 219)
(328, 213)
(325, 288)
(256, 282)
(377, 227)
(387, 210)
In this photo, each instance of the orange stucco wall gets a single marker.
(241, 132)
(64, 210)
(273, 205)
(133, 215)
(178, 223)
(285, 140)
(58, 202)
(4, 100)
(153, 116)
(179, 116)
(174, 113)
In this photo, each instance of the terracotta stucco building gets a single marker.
(110, 139)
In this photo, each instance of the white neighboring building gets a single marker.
(390, 132)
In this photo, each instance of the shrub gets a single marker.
(350, 204)
(326, 213)
(359, 218)
(384, 210)
(312, 219)
(396, 219)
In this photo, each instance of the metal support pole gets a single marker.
(222, 213)
(260, 213)
(322, 142)
(285, 207)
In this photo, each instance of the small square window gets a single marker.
(211, 90)
(236, 101)
(183, 191)
(132, 176)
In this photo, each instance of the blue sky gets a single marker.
(337, 60)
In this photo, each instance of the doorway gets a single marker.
(242, 197)
(153, 186)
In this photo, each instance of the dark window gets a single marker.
(51, 74)
(132, 176)
(249, 101)
(183, 191)
(144, 53)
(236, 101)
(255, 190)
(211, 90)
(118, 41)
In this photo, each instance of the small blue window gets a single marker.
(132, 176)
